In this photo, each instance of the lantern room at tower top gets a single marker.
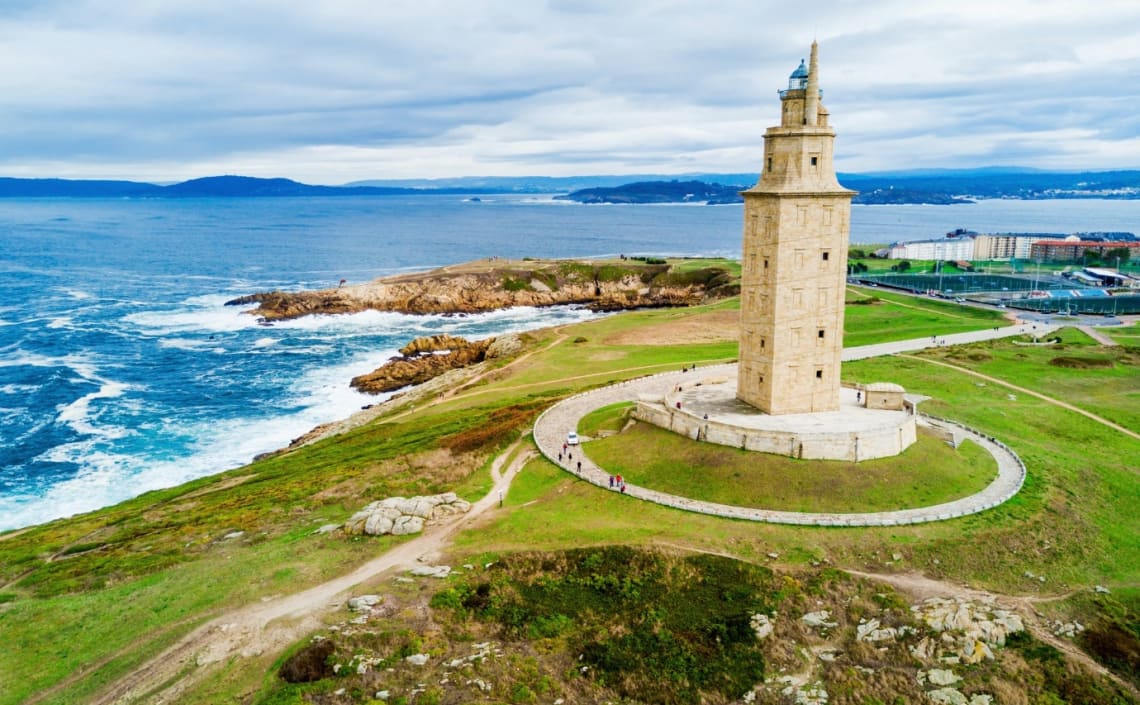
(798, 80)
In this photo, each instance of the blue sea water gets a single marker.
(121, 371)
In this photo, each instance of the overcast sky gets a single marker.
(332, 91)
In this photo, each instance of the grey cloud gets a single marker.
(115, 83)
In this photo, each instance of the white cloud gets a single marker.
(343, 90)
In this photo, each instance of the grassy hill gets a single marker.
(86, 600)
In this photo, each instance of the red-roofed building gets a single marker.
(1074, 250)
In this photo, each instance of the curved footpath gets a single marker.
(551, 427)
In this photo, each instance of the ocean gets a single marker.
(121, 371)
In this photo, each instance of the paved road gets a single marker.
(914, 344)
(551, 427)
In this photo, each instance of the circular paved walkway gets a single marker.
(552, 426)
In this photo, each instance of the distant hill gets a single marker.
(992, 182)
(552, 184)
(211, 186)
(47, 188)
(659, 192)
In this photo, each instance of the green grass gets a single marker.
(901, 317)
(654, 628)
(610, 418)
(108, 589)
(162, 567)
(1124, 335)
(685, 265)
(1112, 392)
(930, 472)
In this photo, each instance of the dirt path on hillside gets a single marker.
(1030, 392)
(272, 626)
(1097, 336)
(921, 587)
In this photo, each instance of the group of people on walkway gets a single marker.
(569, 456)
(616, 480)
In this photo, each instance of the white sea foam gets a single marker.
(316, 394)
(61, 322)
(17, 357)
(197, 314)
(17, 388)
(78, 413)
(106, 478)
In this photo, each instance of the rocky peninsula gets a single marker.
(488, 285)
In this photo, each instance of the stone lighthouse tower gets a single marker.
(796, 224)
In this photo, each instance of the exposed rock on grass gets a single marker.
(620, 624)
(400, 516)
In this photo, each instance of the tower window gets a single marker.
(765, 263)
(819, 374)
(762, 340)
(815, 161)
(769, 164)
(821, 332)
(826, 255)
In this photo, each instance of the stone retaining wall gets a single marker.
(850, 446)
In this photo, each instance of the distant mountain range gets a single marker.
(211, 186)
(938, 186)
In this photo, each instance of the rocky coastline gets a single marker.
(489, 285)
(425, 359)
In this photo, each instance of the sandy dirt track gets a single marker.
(272, 626)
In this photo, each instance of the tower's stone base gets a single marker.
(707, 409)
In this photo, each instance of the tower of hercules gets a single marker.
(796, 222)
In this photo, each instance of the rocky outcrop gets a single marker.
(421, 360)
(400, 516)
(480, 287)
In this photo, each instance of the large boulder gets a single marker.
(407, 525)
(404, 515)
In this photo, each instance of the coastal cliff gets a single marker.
(490, 285)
